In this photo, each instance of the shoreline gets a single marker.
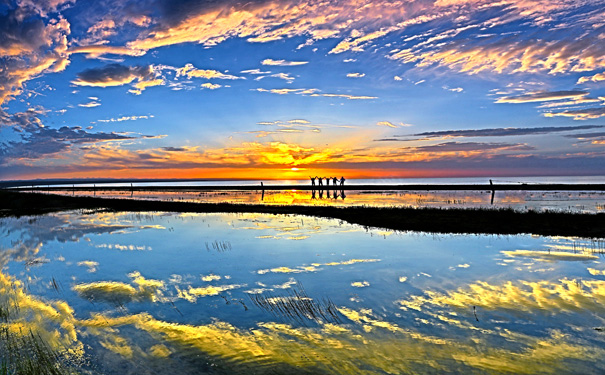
(432, 220)
(414, 187)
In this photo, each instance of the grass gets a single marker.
(24, 352)
(434, 220)
(297, 305)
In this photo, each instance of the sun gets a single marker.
(294, 169)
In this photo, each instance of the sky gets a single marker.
(292, 89)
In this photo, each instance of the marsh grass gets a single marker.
(22, 352)
(297, 305)
(220, 246)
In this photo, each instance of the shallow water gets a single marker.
(247, 293)
(570, 201)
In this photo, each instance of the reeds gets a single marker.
(298, 306)
(26, 353)
(220, 246)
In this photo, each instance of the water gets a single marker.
(569, 201)
(351, 181)
(248, 293)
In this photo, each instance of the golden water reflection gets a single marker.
(404, 303)
(522, 200)
(364, 344)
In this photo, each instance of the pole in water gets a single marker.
(493, 190)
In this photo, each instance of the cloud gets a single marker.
(127, 118)
(95, 51)
(550, 256)
(356, 75)
(512, 53)
(345, 96)
(568, 103)
(114, 75)
(579, 114)
(283, 62)
(190, 71)
(91, 104)
(255, 71)
(453, 89)
(449, 147)
(37, 141)
(211, 86)
(30, 47)
(595, 78)
(285, 76)
(143, 84)
(41, 142)
(497, 132)
(287, 91)
(543, 96)
(386, 123)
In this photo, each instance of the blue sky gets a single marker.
(287, 89)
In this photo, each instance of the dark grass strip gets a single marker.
(434, 220)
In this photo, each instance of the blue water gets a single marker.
(148, 293)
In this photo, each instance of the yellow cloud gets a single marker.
(386, 123)
(529, 296)
(550, 256)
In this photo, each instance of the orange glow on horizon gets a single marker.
(267, 174)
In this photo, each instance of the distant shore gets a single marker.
(433, 220)
(346, 187)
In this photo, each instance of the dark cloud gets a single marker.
(494, 165)
(29, 47)
(493, 132)
(586, 135)
(113, 75)
(472, 146)
(36, 140)
(17, 37)
(175, 149)
(47, 141)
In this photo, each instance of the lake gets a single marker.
(148, 293)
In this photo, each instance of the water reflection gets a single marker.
(520, 200)
(167, 299)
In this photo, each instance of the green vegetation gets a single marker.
(22, 352)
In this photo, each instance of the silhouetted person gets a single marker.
(335, 181)
(312, 180)
(320, 180)
(342, 181)
(327, 181)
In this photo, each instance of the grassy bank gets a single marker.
(436, 220)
